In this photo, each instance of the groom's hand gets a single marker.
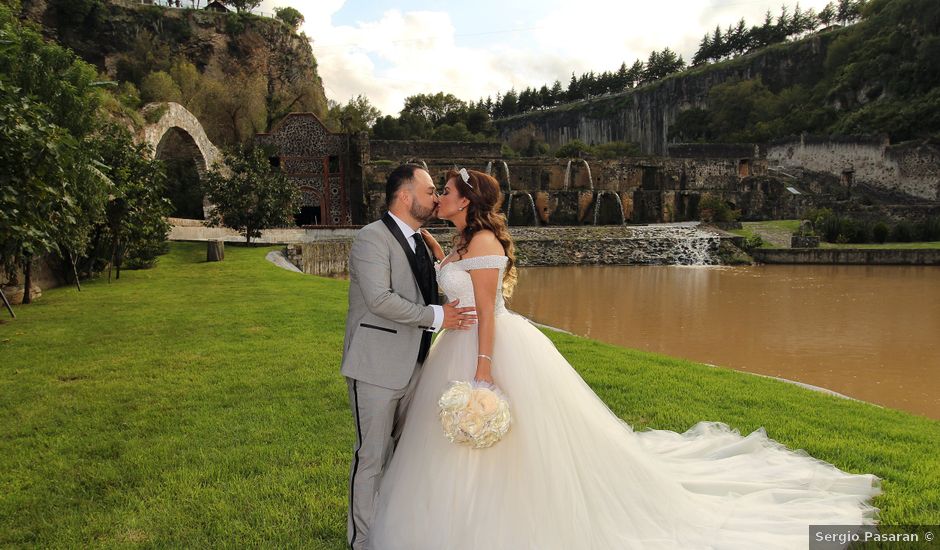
(460, 318)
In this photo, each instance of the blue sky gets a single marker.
(388, 49)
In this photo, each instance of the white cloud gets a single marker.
(401, 53)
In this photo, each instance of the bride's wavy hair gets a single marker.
(482, 190)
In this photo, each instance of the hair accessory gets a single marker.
(465, 177)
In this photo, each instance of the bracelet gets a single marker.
(486, 357)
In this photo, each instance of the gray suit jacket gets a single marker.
(387, 313)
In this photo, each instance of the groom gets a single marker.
(392, 313)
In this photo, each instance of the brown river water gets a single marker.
(868, 332)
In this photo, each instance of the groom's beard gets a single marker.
(421, 213)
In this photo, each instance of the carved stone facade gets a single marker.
(317, 160)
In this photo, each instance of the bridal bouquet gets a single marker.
(475, 414)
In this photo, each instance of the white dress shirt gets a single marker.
(407, 231)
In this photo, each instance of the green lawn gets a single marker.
(776, 234)
(200, 404)
(933, 244)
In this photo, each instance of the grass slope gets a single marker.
(200, 404)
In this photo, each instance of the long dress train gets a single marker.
(571, 475)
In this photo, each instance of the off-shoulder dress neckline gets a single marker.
(443, 263)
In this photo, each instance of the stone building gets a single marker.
(319, 161)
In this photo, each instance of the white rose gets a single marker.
(471, 424)
(456, 397)
(484, 401)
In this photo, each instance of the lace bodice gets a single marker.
(454, 279)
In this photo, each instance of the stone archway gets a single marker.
(177, 138)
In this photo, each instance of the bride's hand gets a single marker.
(484, 377)
(433, 245)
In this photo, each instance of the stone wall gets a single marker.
(859, 256)
(539, 247)
(905, 171)
(47, 273)
(647, 189)
(194, 230)
(645, 114)
(715, 150)
(415, 149)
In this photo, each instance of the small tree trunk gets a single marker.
(28, 283)
(119, 257)
(111, 263)
(75, 271)
(7, 303)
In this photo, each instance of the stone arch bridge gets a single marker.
(177, 138)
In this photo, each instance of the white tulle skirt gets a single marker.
(571, 475)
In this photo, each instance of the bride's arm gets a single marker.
(486, 284)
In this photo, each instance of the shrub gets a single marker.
(880, 232)
(929, 229)
(508, 152)
(572, 149)
(616, 149)
(160, 86)
(714, 209)
(903, 232)
(752, 241)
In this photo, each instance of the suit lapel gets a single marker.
(412, 260)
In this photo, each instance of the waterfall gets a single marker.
(508, 206)
(567, 175)
(597, 205)
(506, 173)
(590, 179)
(535, 216)
(623, 217)
(677, 244)
(489, 168)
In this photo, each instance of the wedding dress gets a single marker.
(571, 475)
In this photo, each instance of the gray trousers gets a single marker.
(379, 414)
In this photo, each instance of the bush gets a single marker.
(752, 241)
(903, 232)
(573, 149)
(508, 152)
(616, 149)
(880, 232)
(160, 86)
(714, 209)
(290, 16)
(929, 229)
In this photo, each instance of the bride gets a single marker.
(570, 474)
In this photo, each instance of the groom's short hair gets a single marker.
(399, 176)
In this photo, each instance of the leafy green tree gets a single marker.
(293, 18)
(242, 5)
(187, 79)
(49, 188)
(252, 196)
(433, 107)
(135, 221)
(160, 86)
(827, 15)
(357, 115)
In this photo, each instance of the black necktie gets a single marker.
(424, 282)
(424, 266)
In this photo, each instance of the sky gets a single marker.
(388, 50)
